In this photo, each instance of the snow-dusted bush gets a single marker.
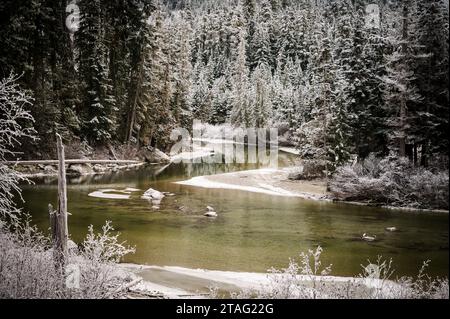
(309, 170)
(28, 270)
(104, 247)
(391, 182)
(14, 126)
(27, 267)
(307, 278)
(219, 132)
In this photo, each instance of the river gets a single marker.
(253, 232)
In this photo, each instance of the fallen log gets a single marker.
(70, 161)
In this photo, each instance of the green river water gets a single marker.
(253, 231)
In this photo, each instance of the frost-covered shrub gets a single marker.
(306, 278)
(104, 247)
(309, 170)
(391, 182)
(14, 120)
(27, 268)
(97, 261)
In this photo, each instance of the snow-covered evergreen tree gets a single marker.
(99, 110)
(430, 128)
(344, 78)
(242, 113)
(400, 89)
(262, 105)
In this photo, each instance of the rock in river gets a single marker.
(153, 194)
(211, 214)
(368, 237)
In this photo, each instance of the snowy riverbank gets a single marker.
(178, 282)
(275, 182)
(266, 181)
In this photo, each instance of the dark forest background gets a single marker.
(338, 78)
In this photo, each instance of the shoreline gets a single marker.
(173, 282)
(104, 171)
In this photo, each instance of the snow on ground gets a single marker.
(180, 282)
(204, 182)
(266, 181)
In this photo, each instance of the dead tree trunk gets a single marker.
(58, 218)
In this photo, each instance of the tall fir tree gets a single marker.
(98, 106)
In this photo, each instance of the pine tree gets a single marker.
(262, 105)
(120, 29)
(154, 114)
(98, 110)
(181, 57)
(36, 43)
(221, 100)
(311, 136)
(200, 95)
(432, 79)
(401, 91)
(260, 47)
(368, 111)
(139, 42)
(249, 10)
(338, 130)
(241, 114)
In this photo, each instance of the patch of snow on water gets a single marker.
(106, 193)
(113, 193)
